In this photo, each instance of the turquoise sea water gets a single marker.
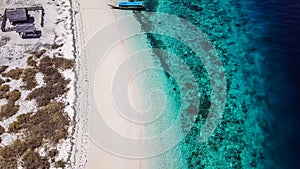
(257, 124)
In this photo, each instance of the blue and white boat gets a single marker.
(128, 5)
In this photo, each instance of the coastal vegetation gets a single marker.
(45, 127)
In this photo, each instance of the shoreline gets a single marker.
(100, 21)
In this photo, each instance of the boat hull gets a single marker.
(127, 7)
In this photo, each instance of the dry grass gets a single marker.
(56, 84)
(20, 123)
(8, 163)
(13, 96)
(52, 153)
(49, 122)
(56, 46)
(4, 40)
(32, 160)
(3, 68)
(60, 164)
(3, 90)
(38, 53)
(14, 73)
(2, 130)
(45, 62)
(28, 78)
(8, 110)
(63, 63)
(48, 125)
(1, 81)
(13, 151)
(31, 61)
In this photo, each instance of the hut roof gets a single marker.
(17, 15)
(25, 28)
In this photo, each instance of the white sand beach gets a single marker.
(96, 16)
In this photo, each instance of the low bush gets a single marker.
(1, 81)
(60, 164)
(13, 96)
(63, 63)
(32, 160)
(2, 130)
(35, 141)
(31, 61)
(3, 68)
(13, 151)
(19, 123)
(14, 73)
(38, 53)
(10, 163)
(28, 78)
(8, 110)
(48, 123)
(56, 85)
(45, 62)
(3, 91)
(52, 153)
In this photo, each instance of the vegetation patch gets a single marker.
(31, 61)
(3, 91)
(1, 81)
(2, 130)
(8, 110)
(14, 73)
(28, 78)
(56, 84)
(13, 96)
(13, 151)
(33, 160)
(63, 63)
(38, 53)
(48, 123)
(3, 68)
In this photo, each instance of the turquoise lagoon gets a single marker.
(243, 36)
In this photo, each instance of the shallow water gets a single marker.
(257, 42)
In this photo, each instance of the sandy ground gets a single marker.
(57, 29)
(102, 29)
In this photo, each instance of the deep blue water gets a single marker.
(259, 46)
(284, 57)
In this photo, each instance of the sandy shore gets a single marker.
(102, 28)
